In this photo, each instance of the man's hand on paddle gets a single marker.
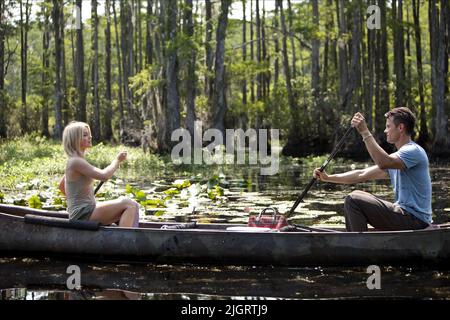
(359, 122)
(322, 176)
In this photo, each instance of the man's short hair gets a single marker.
(405, 116)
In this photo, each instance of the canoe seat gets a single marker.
(61, 222)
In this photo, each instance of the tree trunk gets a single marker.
(57, 133)
(382, 71)
(258, 51)
(369, 76)
(315, 53)
(3, 112)
(45, 71)
(342, 53)
(355, 70)
(315, 70)
(423, 131)
(408, 79)
(157, 96)
(209, 55)
(219, 106)
(149, 30)
(65, 102)
(96, 133)
(266, 57)
(107, 129)
(126, 28)
(295, 125)
(24, 26)
(120, 75)
(252, 51)
(139, 36)
(79, 71)
(399, 52)
(244, 51)
(276, 66)
(328, 25)
(439, 60)
(291, 38)
(171, 66)
(191, 80)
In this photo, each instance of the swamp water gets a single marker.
(243, 192)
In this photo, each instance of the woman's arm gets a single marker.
(85, 168)
(62, 185)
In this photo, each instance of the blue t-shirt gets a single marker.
(412, 186)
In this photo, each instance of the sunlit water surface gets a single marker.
(245, 190)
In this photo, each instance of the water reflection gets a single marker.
(27, 279)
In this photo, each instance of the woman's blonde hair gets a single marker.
(72, 136)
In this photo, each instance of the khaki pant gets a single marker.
(362, 208)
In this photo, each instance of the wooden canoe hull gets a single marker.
(213, 244)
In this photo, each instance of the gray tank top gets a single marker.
(80, 194)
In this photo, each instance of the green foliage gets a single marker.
(181, 184)
(139, 195)
(155, 203)
(172, 191)
(142, 82)
(129, 189)
(215, 192)
(35, 202)
(246, 70)
(58, 201)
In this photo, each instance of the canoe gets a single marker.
(31, 232)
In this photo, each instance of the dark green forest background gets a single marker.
(145, 68)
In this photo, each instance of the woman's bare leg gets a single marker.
(124, 210)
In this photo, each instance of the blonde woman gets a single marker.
(79, 176)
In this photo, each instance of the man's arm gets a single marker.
(378, 155)
(354, 176)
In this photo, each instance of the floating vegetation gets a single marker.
(30, 171)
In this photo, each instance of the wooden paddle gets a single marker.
(98, 187)
(322, 168)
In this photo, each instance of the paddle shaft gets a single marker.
(99, 186)
(322, 168)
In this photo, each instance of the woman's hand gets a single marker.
(322, 176)
(122, 156)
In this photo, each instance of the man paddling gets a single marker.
(408, 169)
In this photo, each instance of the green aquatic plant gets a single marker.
(181, 184)
(35, 202)
(215, 192)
